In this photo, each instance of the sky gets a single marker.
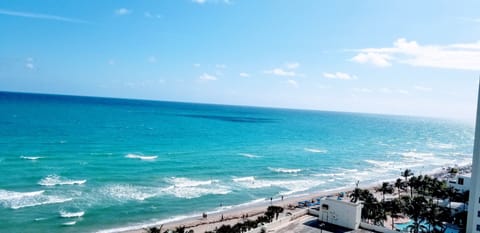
(404, 57)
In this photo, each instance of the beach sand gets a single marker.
(234, 215)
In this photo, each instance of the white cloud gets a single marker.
(111, 62)
(292, 82)
(463, 56)
(196, 65)
(40, 16)
(30, 66)
(363, 90)
(376, 59)
(474, 20)
(424, 89)
(292, 65)
(148, 14)
(152, 59)
(386, 90)
(286, 71)
(280, 72)
(199, 1)
(340, 75)
(29, 63)
(207, 77)
(221, 66)
(123, 11)
(245, 75)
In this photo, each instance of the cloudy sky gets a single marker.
(392, 57)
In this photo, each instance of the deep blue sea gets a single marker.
(82, 164)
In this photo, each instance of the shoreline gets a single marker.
(254, 208)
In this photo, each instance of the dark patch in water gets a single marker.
(231, 118)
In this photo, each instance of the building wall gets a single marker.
(473, 221)
(458, 185)
(341, 213)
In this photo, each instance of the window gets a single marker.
(460, 181)
(478, 214)
(478, 227)
(325, 207)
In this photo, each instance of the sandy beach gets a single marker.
(236, 214)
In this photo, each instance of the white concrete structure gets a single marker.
(340, 213)
(473, 219)
(461, 182)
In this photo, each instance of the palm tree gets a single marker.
(407, 173)
(434, 216)
(355, 195)
(415, 209)
(386, 188)
(399, 185)
(395, 208)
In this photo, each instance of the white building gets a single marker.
(461, 182)
(473, 219)
(340, 213)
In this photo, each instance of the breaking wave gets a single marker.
(248, 155)
(313, 150)
(66, 214)
(18, 200)
(284, 170)
(141, 157)
(31, 157)
(186, 188)
(53, 180)
(125, 192)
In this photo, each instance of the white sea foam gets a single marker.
(71, 223)
(313, 150)
(248, 155)
(147, 225)
(31, 157)
(416, 155)
(185, 182)
(346, 170)
(53, 180)
(186, 188)
(380, 163)
(17, 200)
(442, 146)
(66, 214)
(141, 157)
(340, 174)
(292, 186)
(8, 195)
(125, 192)
(284, 170)
(244, 179)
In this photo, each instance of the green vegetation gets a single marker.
(421, 206)
(272, 212)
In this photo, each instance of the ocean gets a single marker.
(85, 164)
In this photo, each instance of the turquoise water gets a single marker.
(76, 164)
